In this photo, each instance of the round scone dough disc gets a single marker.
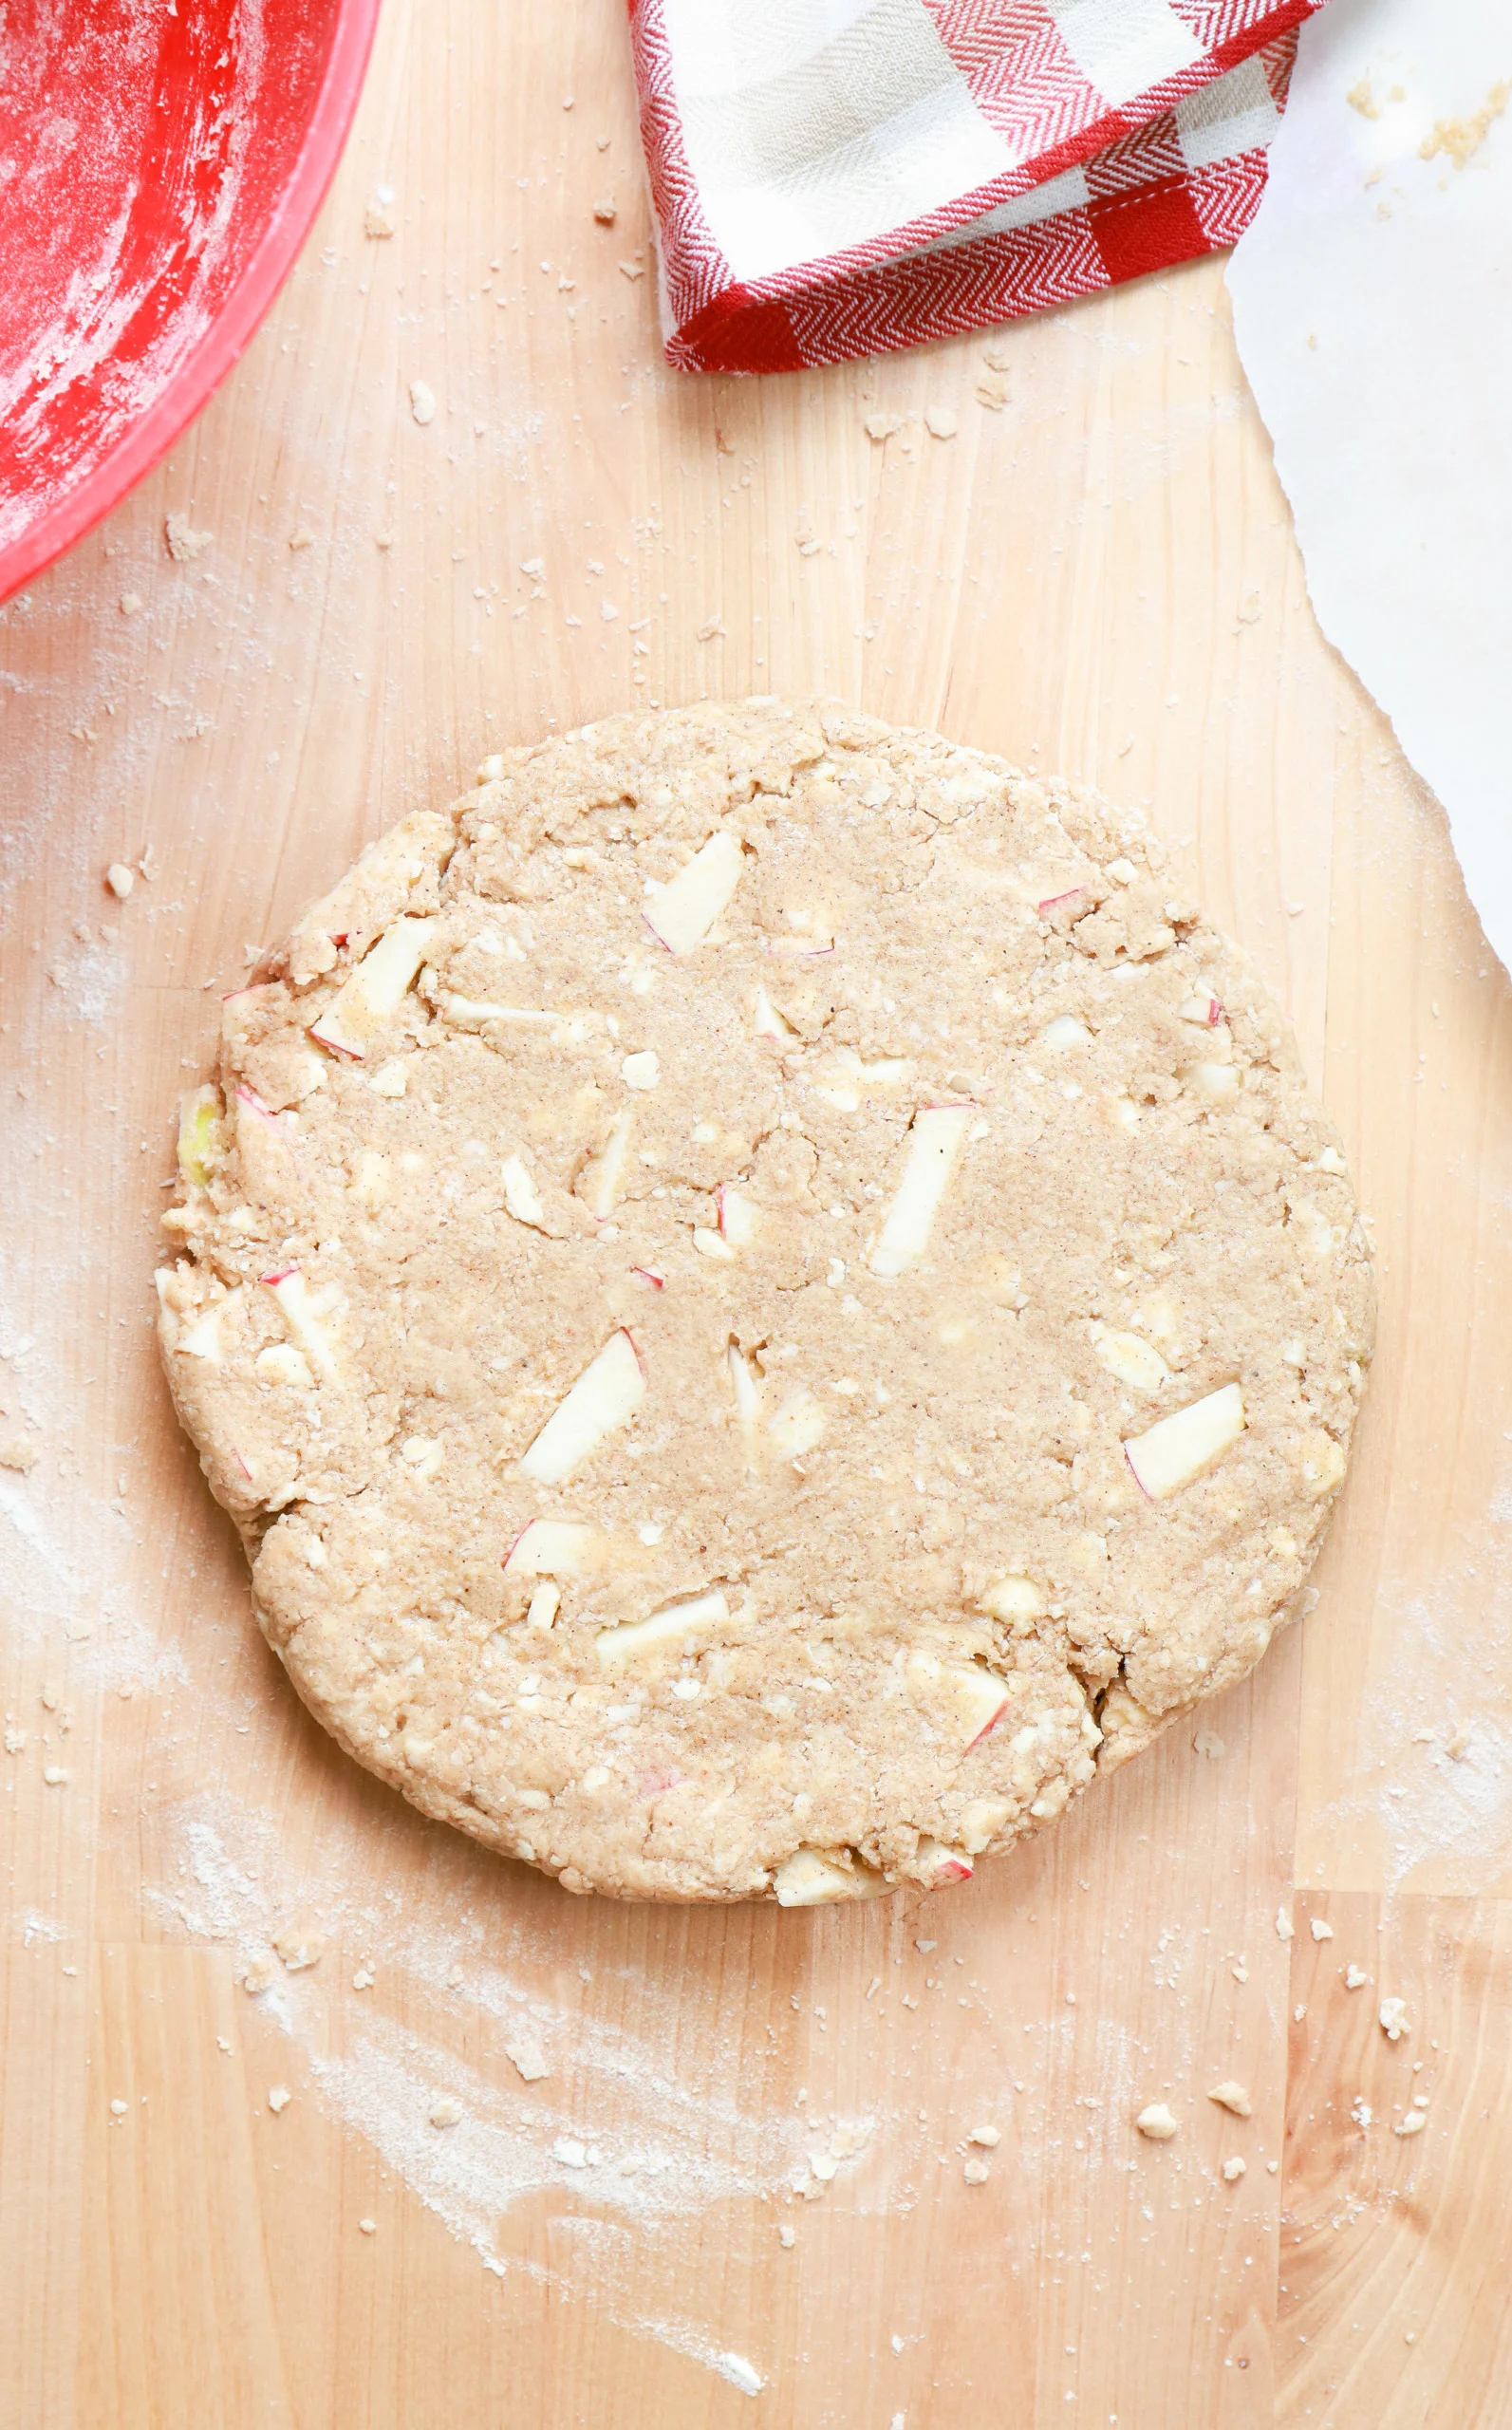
(768, 1298)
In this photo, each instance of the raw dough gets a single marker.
(888, 1143)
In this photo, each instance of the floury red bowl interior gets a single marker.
(160, 161)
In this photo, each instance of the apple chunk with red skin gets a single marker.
(375, 990)
(604, 1398)
(1177, 1450)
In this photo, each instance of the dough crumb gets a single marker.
(55, 1776)
(1233, 2170)
(446, 2112)
(301, 537)
(988, 2137)
(787, 2238)
(993, 394)
(1208, 1743)
(259, 1975)
(1393, 2020)
(527, 2057)
(279, 2098)
(1360, 2110)
(17, 1453)
(940, 422)
(378, 220)
(299, 1948)
(1156, 2122)
(1413, 2124)
(120, 880)
(976, 2172)
(605, 211)
(183, 541)
(368, 2227)
(1286, 1930)
(1354, 1978)
(130, 602)
(1231, 2097)
(1320, 1930)
(881, 427)
(569, 2152)
(362, 1979)
(422, 402)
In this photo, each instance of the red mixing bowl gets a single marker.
(160, 161)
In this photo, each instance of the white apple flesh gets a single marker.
(976, 1696)
(1132, 1360)
(302, 1316)
(521, 1197)
(598, 1183)
(634, 1640)
(1177, 1450)
(567, 1028)
(798, 1426)
(1012, 1599)
(557, 1548)
(375, 990)
(934, 1142)
(941, 1864)
(605, 1397)
(739, 1219)
(682, 911)
(809, 1879)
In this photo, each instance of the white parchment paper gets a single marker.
(1372, 304)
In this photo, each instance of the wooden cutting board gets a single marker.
(1095, 573)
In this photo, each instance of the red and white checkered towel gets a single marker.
(833, 178)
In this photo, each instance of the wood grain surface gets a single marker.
(1095, 573)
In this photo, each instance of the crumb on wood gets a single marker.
(976, 2172)
(130, 602)
(1320, 1930)
(1156, 2122)
(605, 211)
(941, 422)
(279, 2098)
(17, 1453)
(1394, 2019)
(120, 879)
(883, 426)
(378, 221)
(527, 2058)
(1233, 2170)
(183, 541)
(1232, 2096)
(422, 402)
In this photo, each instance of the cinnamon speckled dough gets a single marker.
(885, 1176)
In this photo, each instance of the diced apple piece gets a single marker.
(643, 1070)
(796, 1426)
(682, 911)
(302, 1311)
(598, 1183)
(769, 1022)
(521, 1197)
(739, 1218)
(283, 1364)
(422, 1454)
(1176, 1449)
(1215, 1080)
(1064, 1033)
(199, 1112)
(605, 1395)
(1204, 1010)
(976, 1696)
(709, 1244)
(557, 1548)
(567, 1029)
(1133, 1361)
(940, 1865)
(935, 1141)
(979, 1823)
(1014, 1600)
(375, 990)
(677, 1621)
(203, 1338)
(809, 1879)
(544, 1605)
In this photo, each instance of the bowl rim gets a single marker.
(236, 322)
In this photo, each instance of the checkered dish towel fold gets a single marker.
(833, 178)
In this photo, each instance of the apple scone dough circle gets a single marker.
(768, 1298)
